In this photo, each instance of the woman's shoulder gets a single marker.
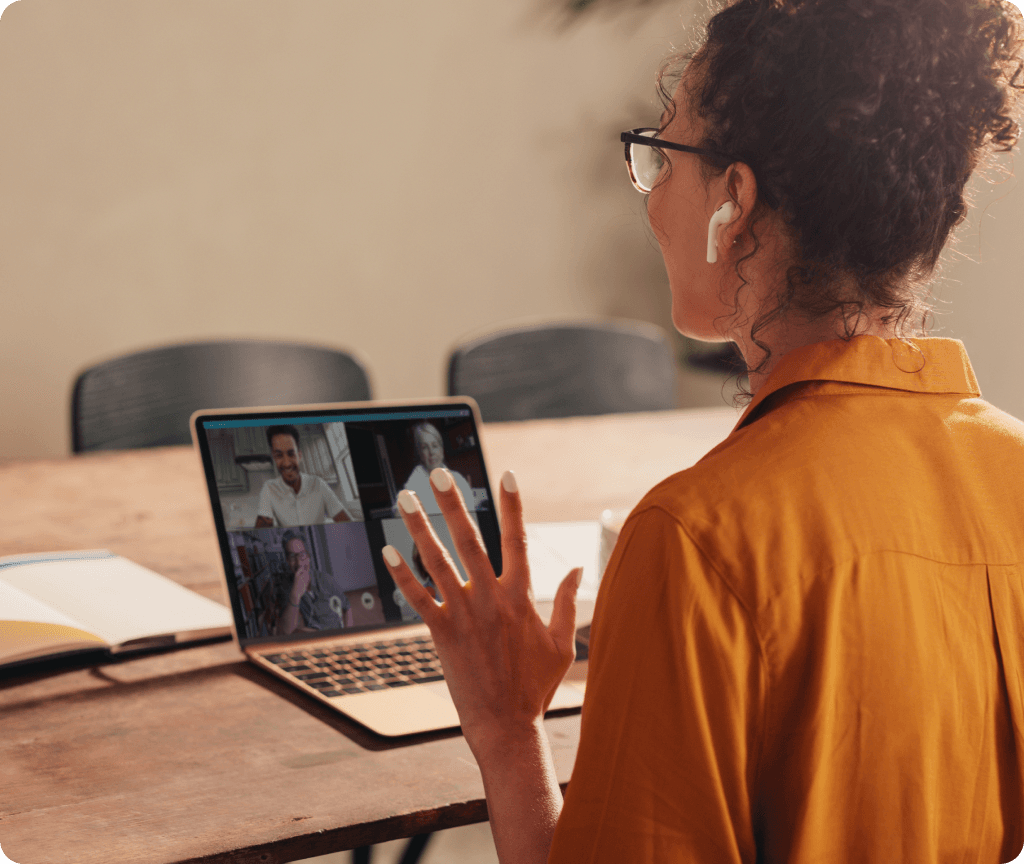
(842, 457)
(751, 469)
(416, 476)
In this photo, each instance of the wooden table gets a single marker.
(197, 756)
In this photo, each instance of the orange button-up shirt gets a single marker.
(809, 647)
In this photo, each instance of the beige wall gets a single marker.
(187, 169)
(382, 177)
(979, 295)
(977, 292)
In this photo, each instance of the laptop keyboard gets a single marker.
(352, 668)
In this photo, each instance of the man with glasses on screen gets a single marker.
(308, 603)
(295, 498)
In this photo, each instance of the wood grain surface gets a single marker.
(195, 755)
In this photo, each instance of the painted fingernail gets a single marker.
(441, 479)
(391, 556)
(407, 501)
(579, 574)
(508, 482)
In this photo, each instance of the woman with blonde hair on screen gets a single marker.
(430, 451)
(809, 646)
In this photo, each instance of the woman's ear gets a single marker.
(741, 187)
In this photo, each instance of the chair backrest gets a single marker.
(145, 399)
(565, 370)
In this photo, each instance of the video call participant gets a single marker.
(295, 498)
(308, 603)
(430, 450)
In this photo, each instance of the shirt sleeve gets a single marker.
(265, 507)
(669, 738)
(332, 505)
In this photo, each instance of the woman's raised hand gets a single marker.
(501, 662)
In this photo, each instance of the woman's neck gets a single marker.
(785, 335)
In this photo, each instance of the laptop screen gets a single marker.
(304, 501)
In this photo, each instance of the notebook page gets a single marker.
(29, 628)
(16, 605)
(115, 598)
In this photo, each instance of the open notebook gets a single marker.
(63, 602)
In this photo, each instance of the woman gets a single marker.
(810, 645)
(430, 450)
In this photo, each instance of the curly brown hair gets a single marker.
(864, 119)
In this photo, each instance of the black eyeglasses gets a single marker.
(645, 160)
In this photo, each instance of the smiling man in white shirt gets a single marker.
(295, 498)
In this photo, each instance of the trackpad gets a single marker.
(419, 708)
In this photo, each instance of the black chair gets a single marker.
(145, 399)
(566, 370)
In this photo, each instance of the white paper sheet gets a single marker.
(555, 548)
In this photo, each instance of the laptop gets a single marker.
(304, 499)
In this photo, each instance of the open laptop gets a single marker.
(304, 499)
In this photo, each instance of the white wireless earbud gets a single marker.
(722, 215)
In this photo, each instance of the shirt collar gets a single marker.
(303, 485)
(925, 365)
